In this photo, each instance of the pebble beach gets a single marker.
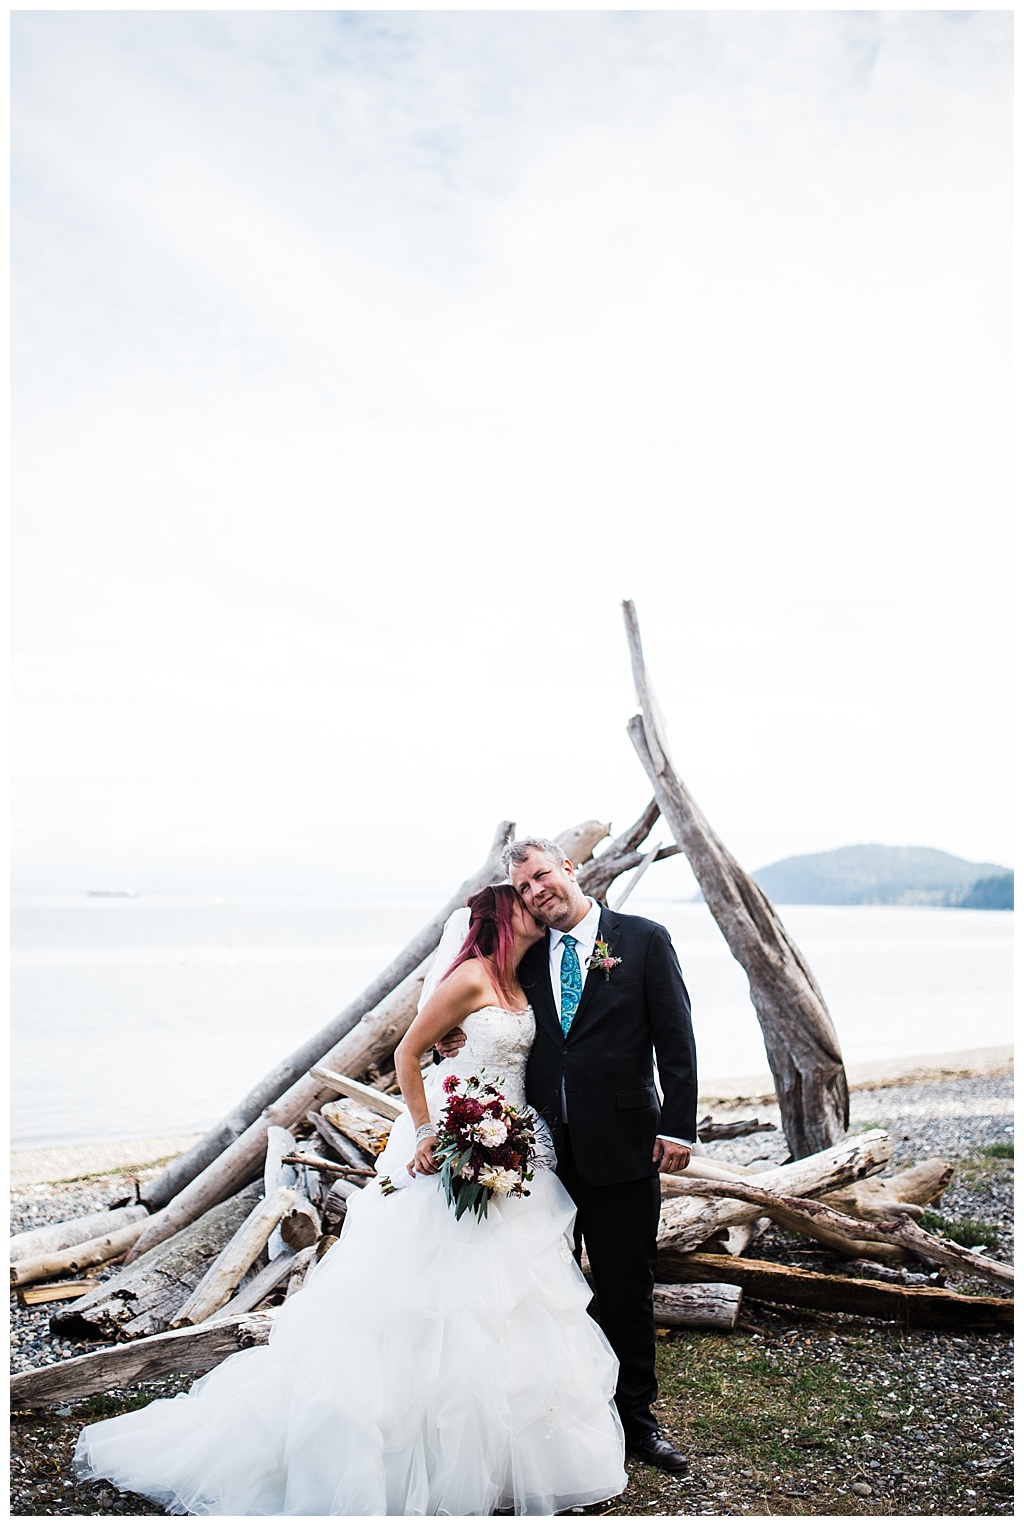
(880, 1421)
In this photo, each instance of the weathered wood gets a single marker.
(708, 1129)
(54, 1292)
(917, 1308)
(235, 1259)
(330, 1167)
(339, 1142)
(300, 1226)
(365, 1128)
(697, 1305)
(908, 1191)
(142, 1299)
(276, 1173)
(734, 1240)
(261, 1286)
(622, 854)
(800, 1039)
(579, 842)
(369, 1096)
(687, 1221)
(300, 1271)
(77, 1257)
(186, 1351)
(30, 1244)
(901, 1231)
(177, 1176)
(899, 1274)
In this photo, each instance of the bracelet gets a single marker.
(426, 1131)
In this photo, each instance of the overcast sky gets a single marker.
(364, 363)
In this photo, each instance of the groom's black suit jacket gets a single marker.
(611, 1104)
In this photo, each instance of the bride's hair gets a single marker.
(491, 937)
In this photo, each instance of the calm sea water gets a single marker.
(148, 1017)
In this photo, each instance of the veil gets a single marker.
(452, 939)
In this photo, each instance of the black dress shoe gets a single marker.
(658, 1451)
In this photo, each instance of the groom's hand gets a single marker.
(449, 1046)
(670, 1156)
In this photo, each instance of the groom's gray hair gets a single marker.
(515, 852)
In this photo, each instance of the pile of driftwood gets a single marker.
(214, 1243)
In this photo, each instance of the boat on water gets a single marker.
(123, 895)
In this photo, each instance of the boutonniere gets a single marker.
(602, 959)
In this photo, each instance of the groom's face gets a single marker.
(548, 889)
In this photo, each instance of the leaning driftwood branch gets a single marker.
(918, 1308)
(177, 1176)
(621, 854)
(235, 1259)
(800, 1040)
(191, 1351)
(899, 1231)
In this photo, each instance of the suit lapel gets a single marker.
(535, 979)
(606, 929)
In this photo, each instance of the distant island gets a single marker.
(873, 875)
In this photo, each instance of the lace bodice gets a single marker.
(497, 1041)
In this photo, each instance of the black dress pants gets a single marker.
(619, 1226)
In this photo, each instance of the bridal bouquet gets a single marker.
(483, 1145)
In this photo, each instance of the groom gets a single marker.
(607, 995)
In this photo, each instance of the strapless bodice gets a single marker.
(498, 1041)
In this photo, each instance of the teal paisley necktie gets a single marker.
(571, 982)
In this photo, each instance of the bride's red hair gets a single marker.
(491, 937)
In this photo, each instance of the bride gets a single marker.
(429, 1366)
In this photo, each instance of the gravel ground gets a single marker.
(795, 1413)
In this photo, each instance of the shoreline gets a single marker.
(62, 1163)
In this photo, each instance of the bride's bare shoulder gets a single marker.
(468, 982)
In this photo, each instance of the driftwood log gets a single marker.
(55, 1292)
(689, 1220)
(191, 1351)
(33, 1243)
(346, 1086)
(227, 1271)
(901, 1231)
(365, 1128)
(697, 1305)
(708, 1129)
(245, 1150)
(918, 1308)
(800, 1039)
(347, 1152)
(908, 1191)
(265, 1282)
(143, 1298)
(77, 1257)
(621, 854)
(177, 1176)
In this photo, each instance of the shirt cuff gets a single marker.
(673, 1140)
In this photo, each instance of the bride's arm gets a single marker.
(465, 991)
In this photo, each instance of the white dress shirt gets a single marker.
(585, 933)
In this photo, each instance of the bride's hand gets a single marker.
(422, 1163)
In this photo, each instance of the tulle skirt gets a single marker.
(428, 1367)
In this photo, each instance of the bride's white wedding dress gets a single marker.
(428, 1367)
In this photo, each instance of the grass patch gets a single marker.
(1001, 1150)
(966, 1232)
(765, 1406)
